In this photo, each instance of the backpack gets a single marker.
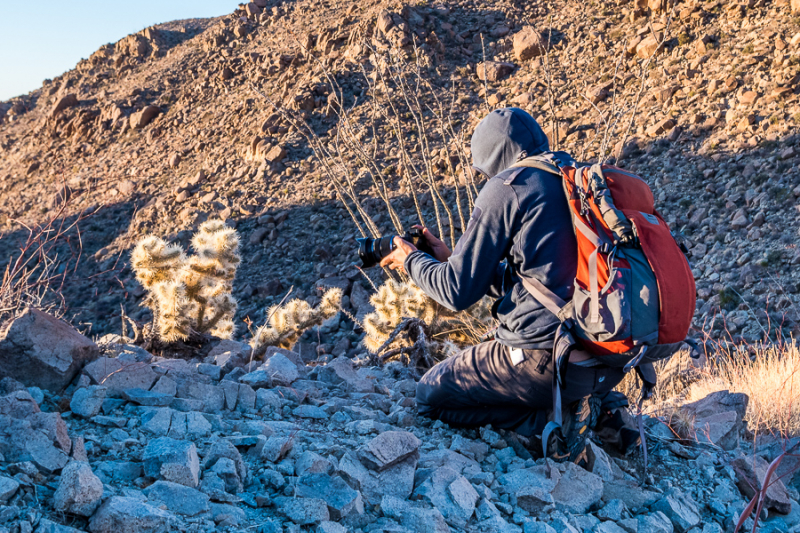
(634, 296)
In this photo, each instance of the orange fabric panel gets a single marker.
(676, 287)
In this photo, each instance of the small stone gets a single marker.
(175, 160)
(79, 491)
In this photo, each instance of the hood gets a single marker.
(502, 136)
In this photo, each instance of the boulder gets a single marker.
(388, 449)
(120, 514)
(79, 491)
(718, 418)
(529, 43)
(577, 490)
(147, 398)
(172, 460)
(43, 351)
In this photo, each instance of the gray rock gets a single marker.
(213, 397)
(147, 398)
(397, 480)
(276, 448)
(280, 369)
(304, 511)
(172, 460)
(18, 404)
(388, 449)
(629, 492)
(577, 490)
(224, 449)
(414, 516)
(681, 510)
(718, 417)
(537, 527)
(312, 463)
(451, 494)
(342, 500)
(655, 523)
(608, 527)
(118, 471)
(87, 401)
(120, 514)
(48, 526)
(614, 511)
(474, 449)
(225, 469)
(8, 487)
(117, 375)
(40, 350)
(330, 527)
(178, 498)
(212, 371)
(340, 372)
(267, 399)
(79, 491)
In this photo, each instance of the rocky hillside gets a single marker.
(166, 129)
(162, 130)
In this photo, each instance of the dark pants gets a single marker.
(482, 386)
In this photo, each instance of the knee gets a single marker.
(428, 396)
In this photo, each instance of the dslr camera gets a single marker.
(371, 251)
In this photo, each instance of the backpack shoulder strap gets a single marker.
(534, 162)
(546, 297)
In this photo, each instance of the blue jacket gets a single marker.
(521, 223)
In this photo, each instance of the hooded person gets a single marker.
(520, 224)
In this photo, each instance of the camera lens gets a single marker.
(371, 251)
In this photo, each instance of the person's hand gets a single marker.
(397, 259)
(440, 250)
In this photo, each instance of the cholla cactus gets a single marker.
(287, 322)
(190, 293)
(394, 302)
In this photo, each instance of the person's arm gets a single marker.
(472, 270)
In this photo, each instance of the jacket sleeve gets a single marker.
(474, 268)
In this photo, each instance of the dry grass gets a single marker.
(768, 373)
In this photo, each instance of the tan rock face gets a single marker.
(795, 6)
(144, 117)
(69, 100)
(649, 46)
(529, 43)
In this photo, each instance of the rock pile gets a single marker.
(138, 443)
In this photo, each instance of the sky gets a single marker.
(43, 39)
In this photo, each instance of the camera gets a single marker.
(371, 251)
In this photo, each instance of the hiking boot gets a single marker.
(568, 443)
(615, 428)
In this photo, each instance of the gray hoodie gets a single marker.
(521, 223)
